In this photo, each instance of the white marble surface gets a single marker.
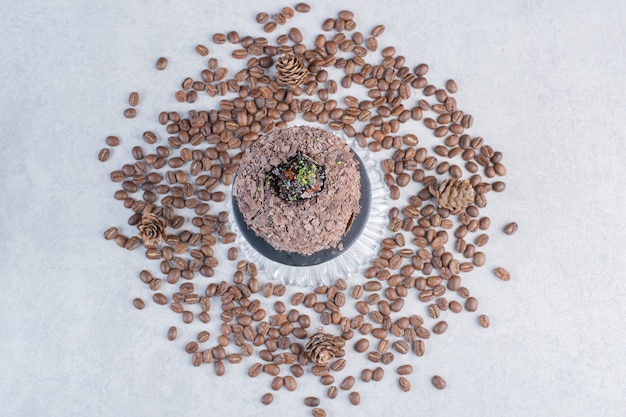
(545, 82)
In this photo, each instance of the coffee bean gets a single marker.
(405, 370)
(187, 317)
(510, 228)
(421, 70)
(355, 398)
(438, 382)
(255, 370)
(440, 327)
(483, 320)
(110, 233)
(133, 99)
(172, 333)
(419, 347)
(295, 35)
(388, 51)
(481, 240)
(130, 113)
(202, 50)
(498, 186)
(240, 54)
(479, 259)
(403, 179)
(219, 38)
(262, 18)
(160, 299)
(500, 169)
(318, 412)
(191, 347)
(161, 63)
(377, 30)
(112, 141)
(233, 253)
(311, 401)
(290, 383)
(332, 392)
(471, 304)
(203, 336)
(267, 398)
(104, 154)
(455, 306)
(502, 273)
(139, 304)
(404, 384)
(269, 27)
(302, 7)
(347, 383)
(451, 86)
(150, 137)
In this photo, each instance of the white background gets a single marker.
(546, 83)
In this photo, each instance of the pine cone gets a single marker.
(322, 347)
(454, 194)
(151, 229)
(290, 70)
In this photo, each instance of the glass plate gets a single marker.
(360, 253)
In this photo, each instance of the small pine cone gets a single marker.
(454, 194)
(322, 347)
(151, 229)
(290, 70)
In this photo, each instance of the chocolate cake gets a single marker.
(298, 189)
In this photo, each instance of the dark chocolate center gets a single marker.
(298, 179)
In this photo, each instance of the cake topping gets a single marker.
(300, 178)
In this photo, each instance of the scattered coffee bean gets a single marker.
(318, 412)
(112, 141)
(245, 325)
(502, 273)
(405, 370)
(110, 233)
(378, 30)
(471, 304)
(510, 228)
(269, 27)
(202, 50)
(438, 382)
(347, 383)
(267, 398)
(161, 63)
(262, 18)
(478, 259)
(355, 398)
(404, 383)
(104, 154)
(172, 333)
(133, 99)
(219, 38)
(311, 401)
(130, 113)
(440, 327)
(290, 383)
(483, 320)
(451, 86)
(303, 8)
(139, 304)
(455, 306)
